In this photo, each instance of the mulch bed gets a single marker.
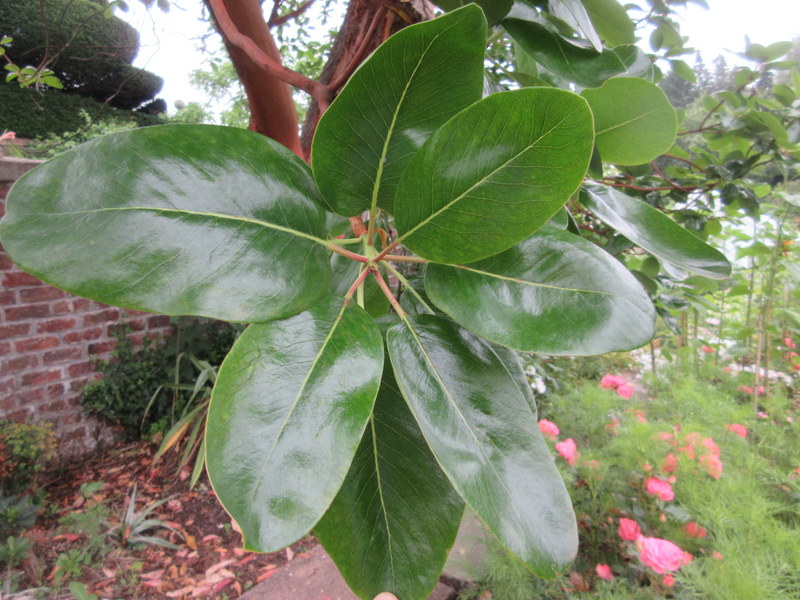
(209, 564)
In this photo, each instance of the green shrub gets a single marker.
(138, 388)
(25, 449)
(37, 115)
(93, 52)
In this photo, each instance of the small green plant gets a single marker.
(17, 511)
(70, 564)
(12, 552)
(134, 525)
(25, 449)
(80, 592)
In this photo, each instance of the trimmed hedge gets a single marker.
(36, 115)
(93, 53)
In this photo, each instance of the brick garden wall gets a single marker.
(48, 340)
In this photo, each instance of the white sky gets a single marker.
(171, 45)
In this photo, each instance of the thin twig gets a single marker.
(362, 50)
(275, 20)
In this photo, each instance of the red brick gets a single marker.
(102, 347)
(40, 294)
(55, 391)
(81, 368)
(20, 416)
(83, 335)
(52, 407)
(5, 349)
(62, 307)
(8, 404)
(81, 304)
(40, 377)
(7, 385)
(31, 311)
(30, 396)
(8, 297)
(134, 324)
(109, 314)
(53, 325)
(158, 321)
(20, 278)
(76, 434)
(61, 355)
(19, 363)
(5, 262)
(37, 343)
(16, 330)
(76, 385)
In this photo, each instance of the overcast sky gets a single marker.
(171, 45)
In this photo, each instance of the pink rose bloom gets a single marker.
(746, 389)
(659, 487)
(661, 555)
(711, 446)
(668, 580)
(664, 436)
(687, 450)
(717, 556)
(707, 349)
(613, 426)
(568, 450)
(639, 416)
(728, 370)
(759, 390)
(625, 391)
(629, 529)
(548, 429)
(604, 572)
(739, 430)
(8, 135)
(670, 464)
(612, 382)
(762, 415)
(694, 530)
(712, 464)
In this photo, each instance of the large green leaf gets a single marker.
(495, 10)
(554, 293)
(651, 230)
(484, 435)
(584, 66)
(176, 219)
(494, 174)
(396, 516)
(413, 83)
(575, 15)
(287, 413)
(611, 21)
(633, 119)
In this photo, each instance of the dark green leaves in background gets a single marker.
(553, 293)
(288, 411)
(633, 120)
(175, 219)
(494, 174)
(412, 84)
(482, 432)
(393, 522)
(654, 232)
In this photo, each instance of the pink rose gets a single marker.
(568, 450)
(668, 580)
(612, 382)
(659, 487)
(661, 555)
(707, 349)
(711, 446)
(694, 530)
(548, 429)
(604, 572)
(629, 529)
(625, 391)
(739, 430)
(746, 389)
(717, 556)
(712, 464)
(664, 436)
(670, 464)
(8, 135)
(762, 415)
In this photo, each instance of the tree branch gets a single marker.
(275, 20)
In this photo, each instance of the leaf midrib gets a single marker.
(180, 211)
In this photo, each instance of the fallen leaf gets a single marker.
(153, 574)
(190, 541)
(220, 565)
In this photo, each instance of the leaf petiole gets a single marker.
(409, 287)
(388, 293)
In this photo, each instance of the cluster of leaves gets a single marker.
(391, 414)
(25, 449)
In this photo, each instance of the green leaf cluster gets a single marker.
(373, 419)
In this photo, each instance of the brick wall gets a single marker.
(48, 340)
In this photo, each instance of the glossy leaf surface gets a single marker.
(484, 435)
(495, 10)
(633, 120)
(178, 219)
(611, 21)
(554, 293)
(413, 83)
(654, 232)
(392, 524)
(288, 411)
(494, 174)
(574, 14)
(584, 66)
(345, 272)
